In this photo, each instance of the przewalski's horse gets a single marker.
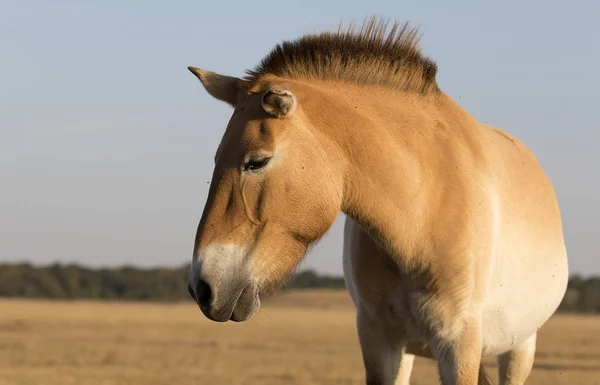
(453, 242)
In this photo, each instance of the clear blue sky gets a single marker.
(106, 139)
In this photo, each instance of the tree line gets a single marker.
(71, 281)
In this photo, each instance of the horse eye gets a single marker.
(256, 164)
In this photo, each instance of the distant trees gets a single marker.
(309, 279)
(582, 296)
(170, 284)
(72, 281)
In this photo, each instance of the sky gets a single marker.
(106, 139)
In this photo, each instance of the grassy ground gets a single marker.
(299, 338)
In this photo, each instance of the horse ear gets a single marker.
(279, 103)
(221, 87)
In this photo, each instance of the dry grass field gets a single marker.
(298, 338)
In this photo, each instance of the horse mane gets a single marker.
(369, 56)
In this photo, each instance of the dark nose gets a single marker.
(202, 294)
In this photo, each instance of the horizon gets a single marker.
(301, 269)
(107, 139)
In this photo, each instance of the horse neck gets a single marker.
(398, 151)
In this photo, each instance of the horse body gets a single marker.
(453, 246)
(526, 265)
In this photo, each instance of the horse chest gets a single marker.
(404, 310)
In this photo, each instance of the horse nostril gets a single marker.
(203, 294)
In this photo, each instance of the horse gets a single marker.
(453, 243)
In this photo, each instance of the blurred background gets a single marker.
(106, 147)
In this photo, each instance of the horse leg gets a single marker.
(459, 357)
(384, 356)
(515, 366)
